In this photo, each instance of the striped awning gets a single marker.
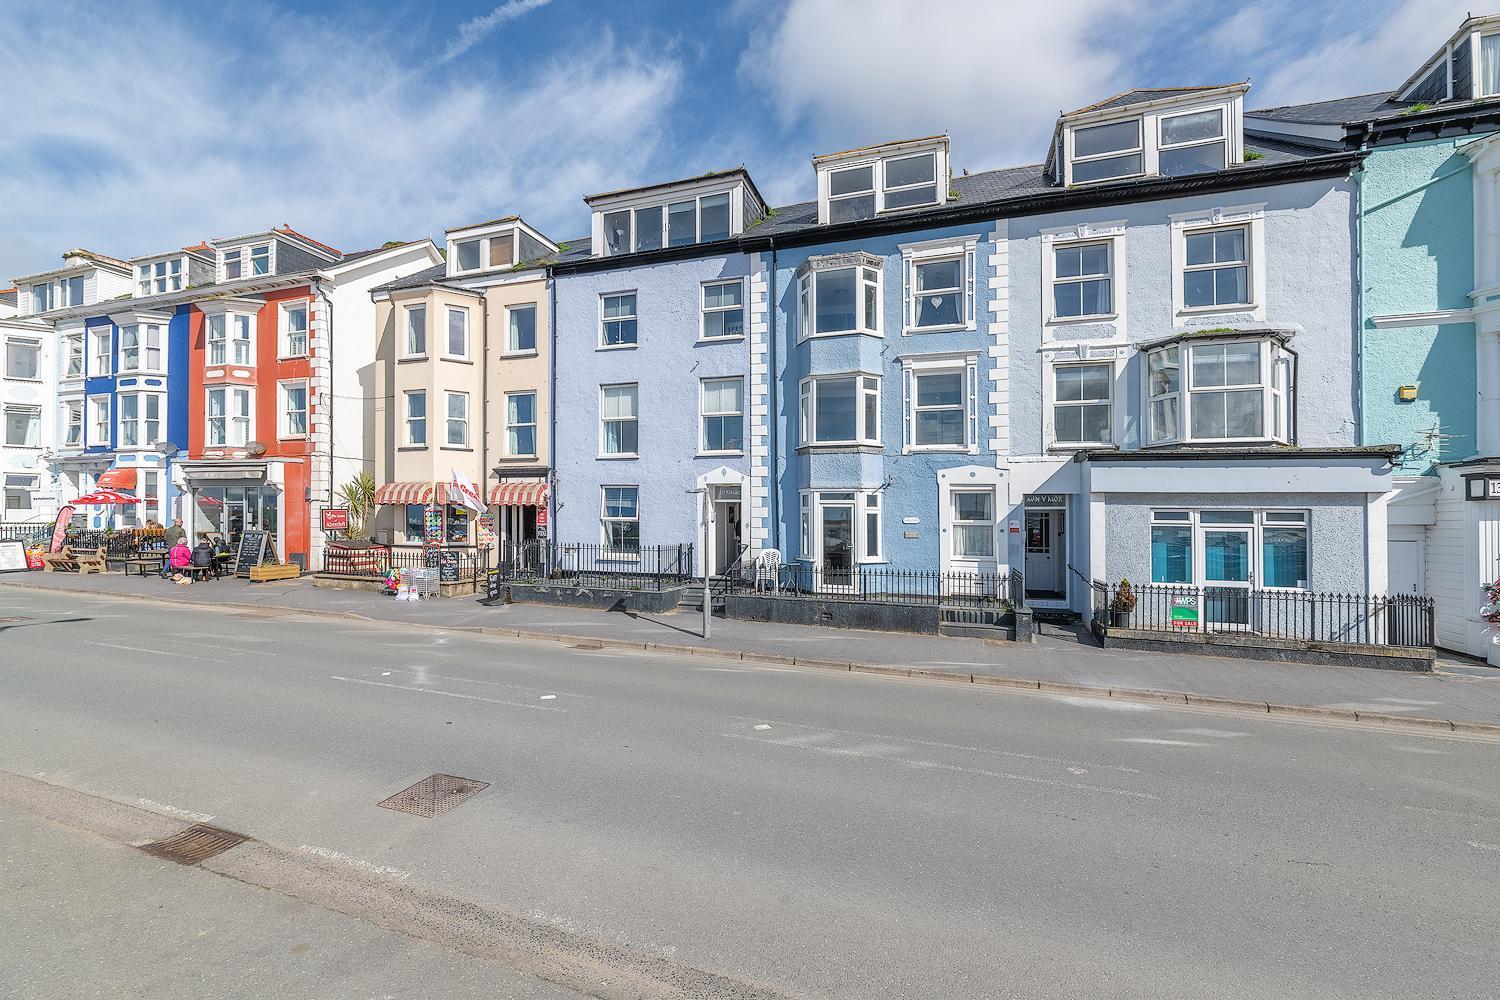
(403, 493)
(520, 494)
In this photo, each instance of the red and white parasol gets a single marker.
(101, 498)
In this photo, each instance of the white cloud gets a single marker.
(148, 143)
(993, 75)
(1368, 51)
(477, 29)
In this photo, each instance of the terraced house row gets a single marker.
(1196, 344)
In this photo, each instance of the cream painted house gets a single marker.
(461, 388)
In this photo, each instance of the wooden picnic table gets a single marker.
(145, 565)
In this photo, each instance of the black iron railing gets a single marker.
(642, 567)
(469, 563)
(1365, 619)
(121, 543)
(882, 584)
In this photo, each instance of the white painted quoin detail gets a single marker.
(759, 513)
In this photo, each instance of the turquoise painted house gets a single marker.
(1427, 224)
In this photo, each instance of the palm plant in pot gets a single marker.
(1121, 605)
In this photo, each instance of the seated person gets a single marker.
(203, 553)
(179, 559)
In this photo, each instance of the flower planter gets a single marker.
(1119, 619)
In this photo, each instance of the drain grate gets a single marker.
(434, 795)
(197, 843)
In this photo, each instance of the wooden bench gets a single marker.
(59, 562)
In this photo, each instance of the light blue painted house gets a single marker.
(651, 357)
(1429, 313)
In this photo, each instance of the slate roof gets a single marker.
(1339, 111)
(1140, 95)
(357, 254)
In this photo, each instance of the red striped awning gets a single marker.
(402, 493)
(520, 494)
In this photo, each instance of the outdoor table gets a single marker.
(145, 565)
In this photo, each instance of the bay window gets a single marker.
(141, 418)
(840, 528)
(228, 416)
(141, 347)
(1238, 390)
(839, 296)
(130, 348)
(840, 410)
(217, 339)
(416, 332)
(1082, 403)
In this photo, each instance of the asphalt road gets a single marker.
(658, 826)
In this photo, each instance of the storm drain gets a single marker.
(197, 843)
(434, 795)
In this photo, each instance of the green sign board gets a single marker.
(1185, 612)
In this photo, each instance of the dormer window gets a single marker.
(679, 223)
(495, 245)
(863, 183)
(1104, 152)
(468, 255)
(1191, 143)
(250, 261)
(160, 277)
(1167, 133)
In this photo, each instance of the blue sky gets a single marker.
(142, 126)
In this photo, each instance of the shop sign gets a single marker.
(1046, 500)
(1482, 487)
(1185, 611)
(541, 517)
(335, 519)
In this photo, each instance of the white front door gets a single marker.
(1404, 570)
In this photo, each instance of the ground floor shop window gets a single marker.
(1230, 548)
(232, 510)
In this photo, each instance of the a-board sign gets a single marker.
(445, 561)
(12, 557)
(255, 548)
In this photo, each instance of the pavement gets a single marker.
(1459, 694)
(690, 826)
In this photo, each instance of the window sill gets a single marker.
(19, 378)
(1231, 307)
(454, 447)
(841, 333)
(410, 358)
(456, 360)
(1253, 442)
(731, 339)
(520, 354)
(412, 447)
(616, 347)
(720, 454)
(619, 458)
(917, 331)
(293, 357)
(852, 447)
(515, 458)
(1072, 447)
(1079, 320)
(940, 449)
(292, 437)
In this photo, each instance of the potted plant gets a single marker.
(1121, 605)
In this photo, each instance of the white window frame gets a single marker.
(130, 341)
(868, 502)
(448, 353)
(406, 330)
(44, 297)
(71, 417)
(664, 205)
(149, 347)
(511, 312)
(887, 189)
(869, 275)
(408, 422)
(955, 524)
(1052, 402)
(101, 350)
(1249, 217)
(704, 415)
(285, 425)
(100, 420)
(32, 410)
(1139, 149)
(22, 486)
(605, 520)
(704, 309)
(449, 395)
(284, 335)
(160, 276)
(234, 343)
(73, 290)
(916, 255)
(881, 191)
(75, 345)
(35, 344)
(216, 339)
(863, 391)
(605, 419)
(1260, 519)
(232, 258)
(1054, 280)
(912, 369)
(139, 427)
(260, 251)
(1277, 385)
(634, 316)
(512, 427)
(479, 255)
(234, 424)
(1222, 140)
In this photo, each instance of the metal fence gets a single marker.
(1366, 619)
(24, 531)
(466, 564)
(881, 584)
(121, 543)
(644, 567)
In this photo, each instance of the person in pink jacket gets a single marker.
(181, 557)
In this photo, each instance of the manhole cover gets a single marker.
(434, 795)
(197, 843)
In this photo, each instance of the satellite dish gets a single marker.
(167, 448)
(255, 449)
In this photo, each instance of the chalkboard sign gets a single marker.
(12, 557)
(445, 561)
(255, 548)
